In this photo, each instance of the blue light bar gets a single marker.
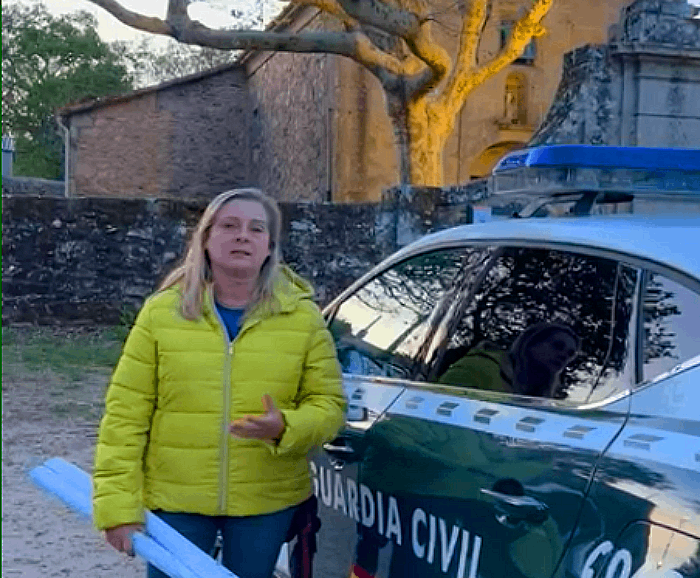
(595, 156)
(562, 169)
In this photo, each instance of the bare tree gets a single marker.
(150, 64)
(425, 86)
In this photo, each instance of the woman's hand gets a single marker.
(119, 537)
(268, 426)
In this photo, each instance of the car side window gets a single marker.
(381, 328)
(671, 325)
(543, 323)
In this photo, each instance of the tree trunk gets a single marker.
(427, 146)
(398, 113)
(421, 135)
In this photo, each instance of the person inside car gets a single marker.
(532, 366)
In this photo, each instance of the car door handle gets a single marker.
(514, 509)
(340, 451)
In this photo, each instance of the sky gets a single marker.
(111, 29)
(211, 13)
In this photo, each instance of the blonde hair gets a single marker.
(194, 275)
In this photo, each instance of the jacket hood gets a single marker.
(289, 288)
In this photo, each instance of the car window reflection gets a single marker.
(380, 329)
(526, 291)
(485, 318)
(671, 329)
(531, 366)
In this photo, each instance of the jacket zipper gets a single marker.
(224, 445)
(224, 458)
(226, 418)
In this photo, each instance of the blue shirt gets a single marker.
(232, 317)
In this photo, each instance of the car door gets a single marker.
(648, 483)
(472, 480)
(379, 329)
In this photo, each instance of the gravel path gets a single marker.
(45, 416)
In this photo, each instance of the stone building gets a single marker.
(499, 116)
(642, 88)
(185, 138)
(314, 127)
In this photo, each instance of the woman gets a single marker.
(532, 366)
(227, 380)
(538, 357)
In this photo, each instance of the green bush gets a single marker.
(127, 318)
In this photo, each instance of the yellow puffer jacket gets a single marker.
(164, 442)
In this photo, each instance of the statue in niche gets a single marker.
(511, 106)
(514, 100)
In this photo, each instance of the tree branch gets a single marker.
(330, 7)
(376, 13)
(354, 45)
(472, 28)
(138, 21)
(414, 28)
(435, 57)
(176, 9)
(466, 78)
(177, 16)
(372, 57)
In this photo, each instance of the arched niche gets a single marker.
(487, 159)
(515, 99)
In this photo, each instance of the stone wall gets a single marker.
(83, 260)
(642, 88)
(32, 186)
(123, 146)
(289, 127)
(86, 259)
(332, 245)
(585, 109)
(662, 22)
(210, 150)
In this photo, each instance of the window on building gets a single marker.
(528, 55)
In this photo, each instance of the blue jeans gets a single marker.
(251, 544)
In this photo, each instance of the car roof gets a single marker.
(673, 242)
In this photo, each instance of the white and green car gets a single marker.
(524, 394)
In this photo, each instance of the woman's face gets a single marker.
(239, 239)
(554, 352)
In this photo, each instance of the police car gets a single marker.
(524, 394)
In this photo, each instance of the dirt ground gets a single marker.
(52, 399)
(47, 415)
